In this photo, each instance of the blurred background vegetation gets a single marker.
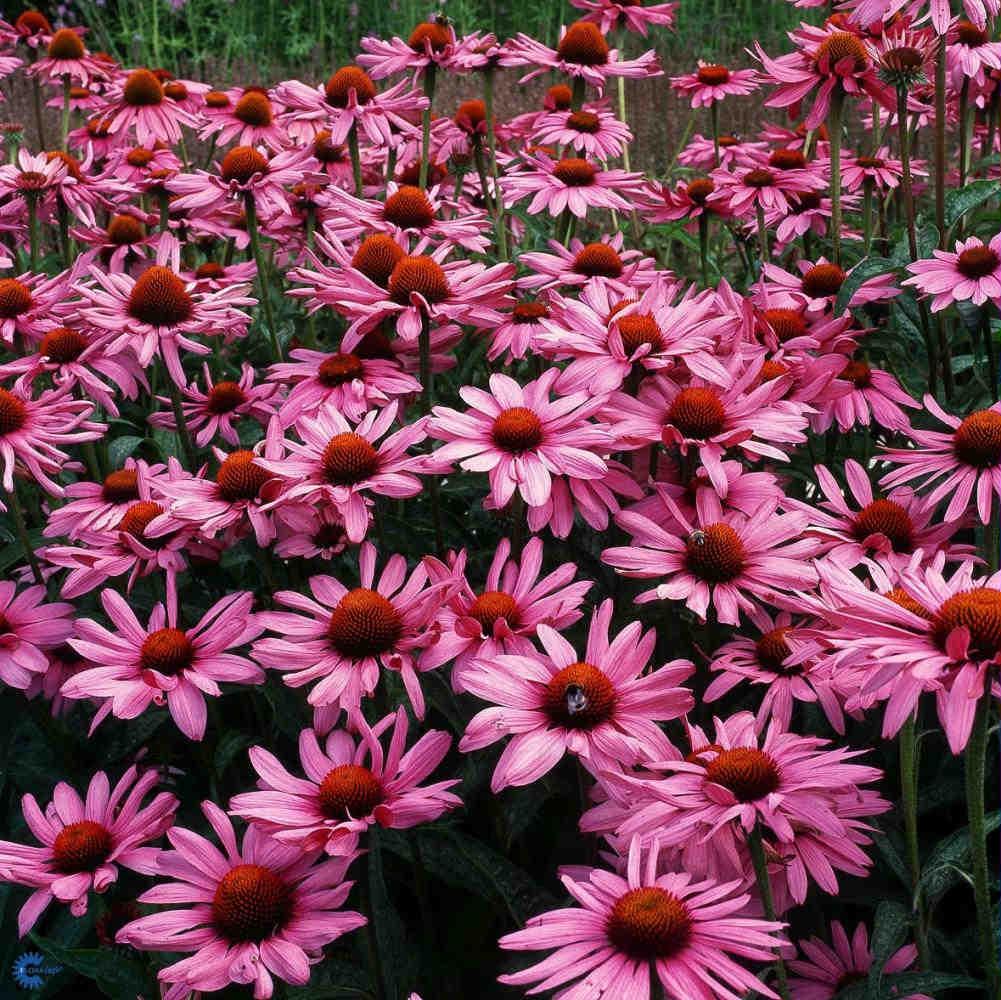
(209, 37)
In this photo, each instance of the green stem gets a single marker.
(714, 124)
(356, 159)
(65, 126)
(834, 129)
(757, 848)
(187, 445)
(488, 102)
(39, 120)
(909, 804)
(940, 112)
(762, 235)
(371, 942)
(976, 759)
(481, 171)
(33, 237)
(430, 78)
(907, 192)
(14, 503)
(427, 401)
(992, 355)
(255, 246)
(964, 128)
(867, 191)
(164, 201)
(704, 246)
(577, 93)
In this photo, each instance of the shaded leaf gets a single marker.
(962, 200)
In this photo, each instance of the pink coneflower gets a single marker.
(785, 785)
(137, 666)
(431, 43)
(33, 304)
(516, 334)
(235, 499)
(965, 461)
(349, 786)
(570, 183)
(141, 165)
(66, 57)
(123, 243)
(816, 286)
(682, 931)
(929, 633)
(257, 911)
(504, 617)
(872, 11)
(725, 558)
(582, 52)
(343, 381)
(349, 100)
(880, 168)
(611, 14)
(248, 118)
(808, 213)
(707, 418)
(406, 211)
(31, 27)
(712, 83)
(601, 262)
(243, 172)
(75, 358)
(420, 287)
(608, 338)
(783, 660)
(84, 842)
(521, 437)
(344, 635)
(688, 200)
(603, 708)
(971, 53)
(33, 431)
(700, 152)
(28, 628)
(307, 533)
(875, 396)
(216, 409)
(825, 969)
(146, 540)
(743, 191)
(828, 63)
(972, 273)
(345, 465)
(885, 529)
(135, 102)
(156, 313)
(593, 131)
(99, 507)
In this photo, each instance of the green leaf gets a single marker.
(120, 449)
(230, 744)
(961, 201)
(116, 975)
(950, 860)
(926, 239)
(466, 863)
(333, 979)
(868, 267)
(395, 955)
(890, 930)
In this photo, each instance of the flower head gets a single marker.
(83, 841)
